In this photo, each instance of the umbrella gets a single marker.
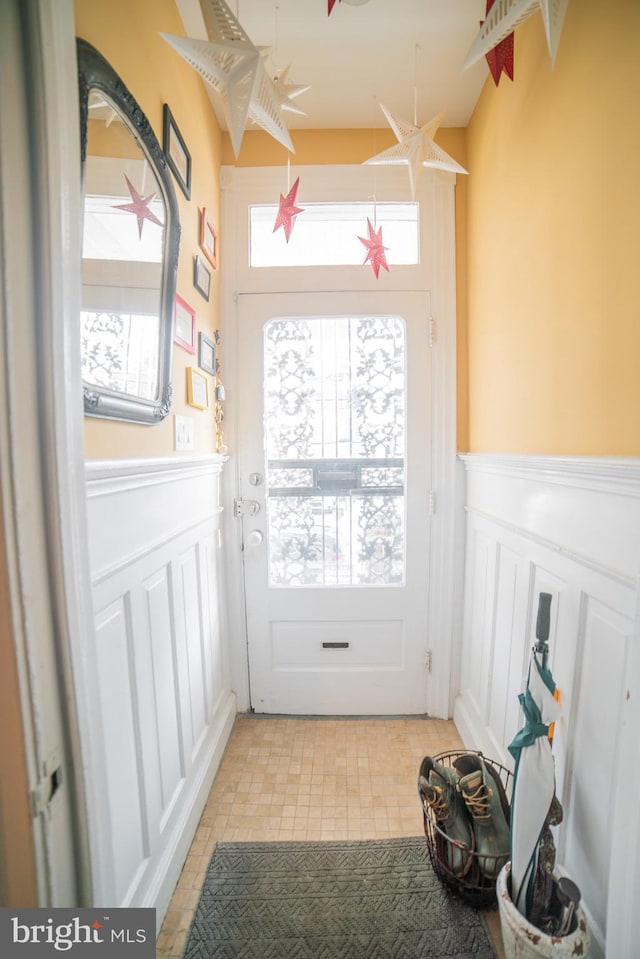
(534, 774)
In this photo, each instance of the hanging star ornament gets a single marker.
(500, 59)
(286, 92)
(375, 249)
(287, 210)
(504, 17)
(235, 70)
(415, 149)
(139, 206)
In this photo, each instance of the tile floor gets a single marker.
(310, 779)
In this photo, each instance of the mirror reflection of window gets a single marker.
(123, 244)
(120, 352)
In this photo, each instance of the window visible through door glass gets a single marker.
(335, 405)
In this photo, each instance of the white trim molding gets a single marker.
(113, 475)
(570, 527)
(157, 667)
(587, 472)
(588, 507)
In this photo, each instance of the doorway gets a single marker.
(271, 293)
(334, 465)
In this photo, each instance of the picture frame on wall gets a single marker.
(208, 238)
(184, 325)
(206, 354)
(197, 389)
(175, 151)
(201, 277)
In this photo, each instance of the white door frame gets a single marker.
(41, 423)
(243, 186)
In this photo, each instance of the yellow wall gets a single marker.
(553, 242)
(126, 32)
(547, 226)
(326, 146)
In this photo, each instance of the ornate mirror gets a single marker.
(131, 235)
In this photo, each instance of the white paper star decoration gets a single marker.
(286, 92)
(234, 68)
(505, 16)
(415, 148)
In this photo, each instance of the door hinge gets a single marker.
(431, 503)
(427, 661)
(432, 331)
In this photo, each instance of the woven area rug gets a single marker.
(330, 900)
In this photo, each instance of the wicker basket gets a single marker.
(475, 888)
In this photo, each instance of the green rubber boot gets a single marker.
(487, 805)
(437, 785)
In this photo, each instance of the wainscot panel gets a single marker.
(165, 709)
(571, 528)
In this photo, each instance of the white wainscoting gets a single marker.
(569, 527)
(162, 708)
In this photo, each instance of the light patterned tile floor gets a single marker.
(310, 779)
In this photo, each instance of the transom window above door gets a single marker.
(334, 433)
(326, 234)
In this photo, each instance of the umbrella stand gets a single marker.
(521, 939)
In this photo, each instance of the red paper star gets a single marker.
(375, 249)
(287, 210)
(500, 59)
(139, 206)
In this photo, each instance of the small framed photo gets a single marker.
(208, 239)
(197, 389)
(201, 277)
(206, 354)
(175, 151)
(184, 325)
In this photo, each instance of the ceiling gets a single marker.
(361, 56)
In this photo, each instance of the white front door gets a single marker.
(334, 459)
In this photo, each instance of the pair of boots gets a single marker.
(470, 806)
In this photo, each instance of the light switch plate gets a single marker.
(183, 433)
